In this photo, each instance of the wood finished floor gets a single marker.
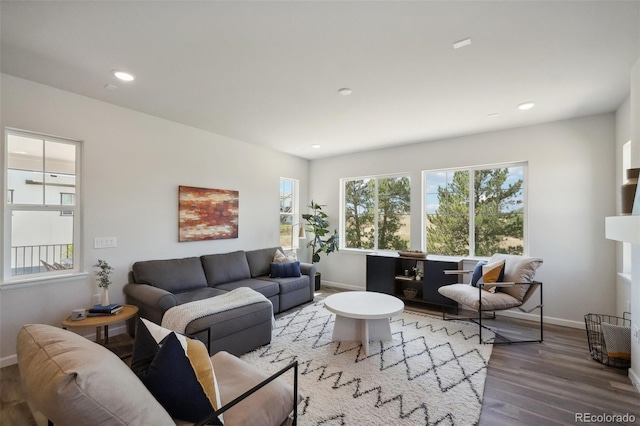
(527, 384)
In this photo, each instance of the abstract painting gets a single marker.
(207, 214)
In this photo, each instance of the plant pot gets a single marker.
(318, 280)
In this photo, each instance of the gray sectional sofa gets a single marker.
(158, 285)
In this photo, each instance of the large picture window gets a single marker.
(475, 211)
(41, 176)
(377, 213)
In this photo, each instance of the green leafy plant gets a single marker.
(103, 273)
(323, 240)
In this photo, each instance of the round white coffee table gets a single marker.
(362, 316)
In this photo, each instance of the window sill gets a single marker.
(38, 281)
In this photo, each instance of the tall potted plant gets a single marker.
(323, 241)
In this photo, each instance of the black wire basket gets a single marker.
(597, 346)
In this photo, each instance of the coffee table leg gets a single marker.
(98, 334)
(359, 330)
(106, 334)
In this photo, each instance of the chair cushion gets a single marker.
(492, 273)
(468, 296)
(72, 380)
(517, 269)
(477, 273)
(177, 370)
(270, 405)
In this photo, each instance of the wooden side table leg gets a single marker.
(98, 334)
(106, 334)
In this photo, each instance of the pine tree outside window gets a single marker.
(377, 213)
(475, 211)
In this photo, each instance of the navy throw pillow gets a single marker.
(284, 270)
(477, 273)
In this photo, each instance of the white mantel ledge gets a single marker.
(623, 228)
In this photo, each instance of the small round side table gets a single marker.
(128, 311)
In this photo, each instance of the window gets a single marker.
(66, 199)
(377, 213)
(289, 213)
(476, 211)
(42, 173)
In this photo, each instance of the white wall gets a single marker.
(571, 183)
(623, 135)
(132, 166)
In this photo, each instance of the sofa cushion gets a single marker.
(280, 257)
(72, 380)
(225, 267)
(177, 370)
(284, 270)
(287, 285)
(198, 294)
(259, 260)
(173, 275)
(266, 288)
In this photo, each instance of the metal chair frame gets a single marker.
(478, 320)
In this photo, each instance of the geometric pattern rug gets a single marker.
(432, 372)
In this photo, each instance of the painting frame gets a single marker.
(207, 213)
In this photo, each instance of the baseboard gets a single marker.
(547, 320)
(8, 360)
(342, 286)
(635, 379)
(113, 331)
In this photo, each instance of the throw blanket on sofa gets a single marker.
(178, 317)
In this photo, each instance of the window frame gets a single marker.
(376, 210)
(295, 211)
(10, 206)
(471, 230)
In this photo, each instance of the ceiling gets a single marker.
(268, 72)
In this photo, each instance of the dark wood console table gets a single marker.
(386, 274)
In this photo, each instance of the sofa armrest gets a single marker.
(152, 301)
(308, 269)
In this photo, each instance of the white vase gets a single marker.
(105, 296)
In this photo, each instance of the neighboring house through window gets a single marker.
(42, 173)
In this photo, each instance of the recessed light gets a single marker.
(123, 75)
(345, 91)
(315, 146)
(526, 105)
(462, 43)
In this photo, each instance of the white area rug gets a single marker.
(432, 373)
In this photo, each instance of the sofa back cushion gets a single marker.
(173, 275)
(225, 267)
(72, 380)
(260, 260)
